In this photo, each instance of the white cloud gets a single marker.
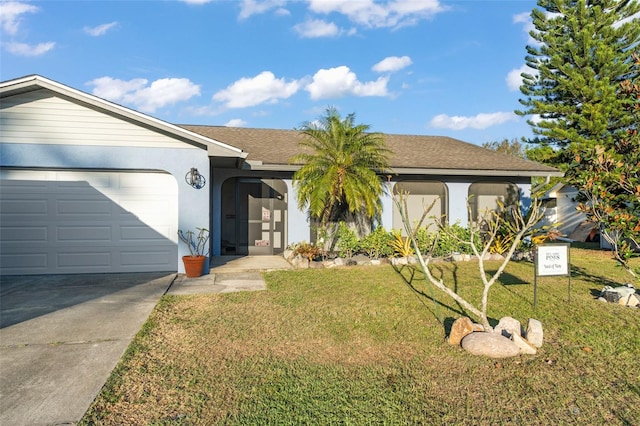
(100, 29)
(514, 78)
(255, 7)
(264, 87)
(162, 92)
(480, 121)
(341, 81)
(370, 14)
(392, 63)
(10, 13)
(525, 19)
(236, 122)
(314, 28)
(24, 49)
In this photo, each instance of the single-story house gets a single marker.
(87, 185)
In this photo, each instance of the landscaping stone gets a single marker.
(524, 346)
(534, 333)
(459, 329)
(300, 262)
(492, 345)
(630, 300)
(508, 326)
(479, 327)
(615, 294)
(399, 261)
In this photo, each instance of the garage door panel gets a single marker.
(92, 234)
(27, 234)
(75, 260)
(99, 222)
(15, 263)
(146, 258)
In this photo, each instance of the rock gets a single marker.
(338, 261)
(460, 328)
(508, 326)
(493, 345)
(479, 327)
(601, 299)
(399, 261)
(615, 294)
(524, 345)
(300, 262)
(630, 300)
(534, 334)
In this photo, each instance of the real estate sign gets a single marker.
(551, 260)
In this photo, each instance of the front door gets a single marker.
(254, 216)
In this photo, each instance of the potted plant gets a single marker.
(195, 262)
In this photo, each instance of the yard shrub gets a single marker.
(348, 241)
(377, 244)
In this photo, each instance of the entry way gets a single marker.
(254, 216)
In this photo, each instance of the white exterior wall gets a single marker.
(39, 130)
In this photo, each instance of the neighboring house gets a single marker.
(87, 185)
(562, 208)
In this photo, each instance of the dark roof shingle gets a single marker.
(273, 146)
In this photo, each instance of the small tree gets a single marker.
(481, 239)
(339, 178)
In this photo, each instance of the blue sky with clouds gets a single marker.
(429, 67)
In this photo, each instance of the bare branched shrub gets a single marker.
(482, 236)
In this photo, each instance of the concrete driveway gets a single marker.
(62, 335)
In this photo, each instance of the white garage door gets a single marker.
(59, 222)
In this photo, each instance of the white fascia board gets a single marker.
(257, 165)
(467, 172)
(213, 147)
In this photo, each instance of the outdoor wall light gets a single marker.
(195, 179)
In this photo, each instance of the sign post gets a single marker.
(551, 260)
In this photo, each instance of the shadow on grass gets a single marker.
(413, 275)
(582, 273)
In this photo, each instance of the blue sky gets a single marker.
(427, 67)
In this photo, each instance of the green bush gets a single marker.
(348, 241)
(377, 244)
(450, 240)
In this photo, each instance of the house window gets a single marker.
(420, 195)
(485, 197)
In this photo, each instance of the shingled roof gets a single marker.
(411, 154)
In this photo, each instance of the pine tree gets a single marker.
(584, 53)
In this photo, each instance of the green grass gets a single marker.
(366, 345)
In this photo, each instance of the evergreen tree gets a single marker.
(510, 147)
(583, 96)
(584, 53)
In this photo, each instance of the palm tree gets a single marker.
(341, 170)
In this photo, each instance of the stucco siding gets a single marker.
(41, 117)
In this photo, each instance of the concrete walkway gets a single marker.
(62, 335)
(230, 274)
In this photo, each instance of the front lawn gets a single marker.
(366, 345)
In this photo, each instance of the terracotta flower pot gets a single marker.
(193, 265)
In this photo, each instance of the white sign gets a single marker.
(552, 259)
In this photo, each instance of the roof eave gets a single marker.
(259, 166)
